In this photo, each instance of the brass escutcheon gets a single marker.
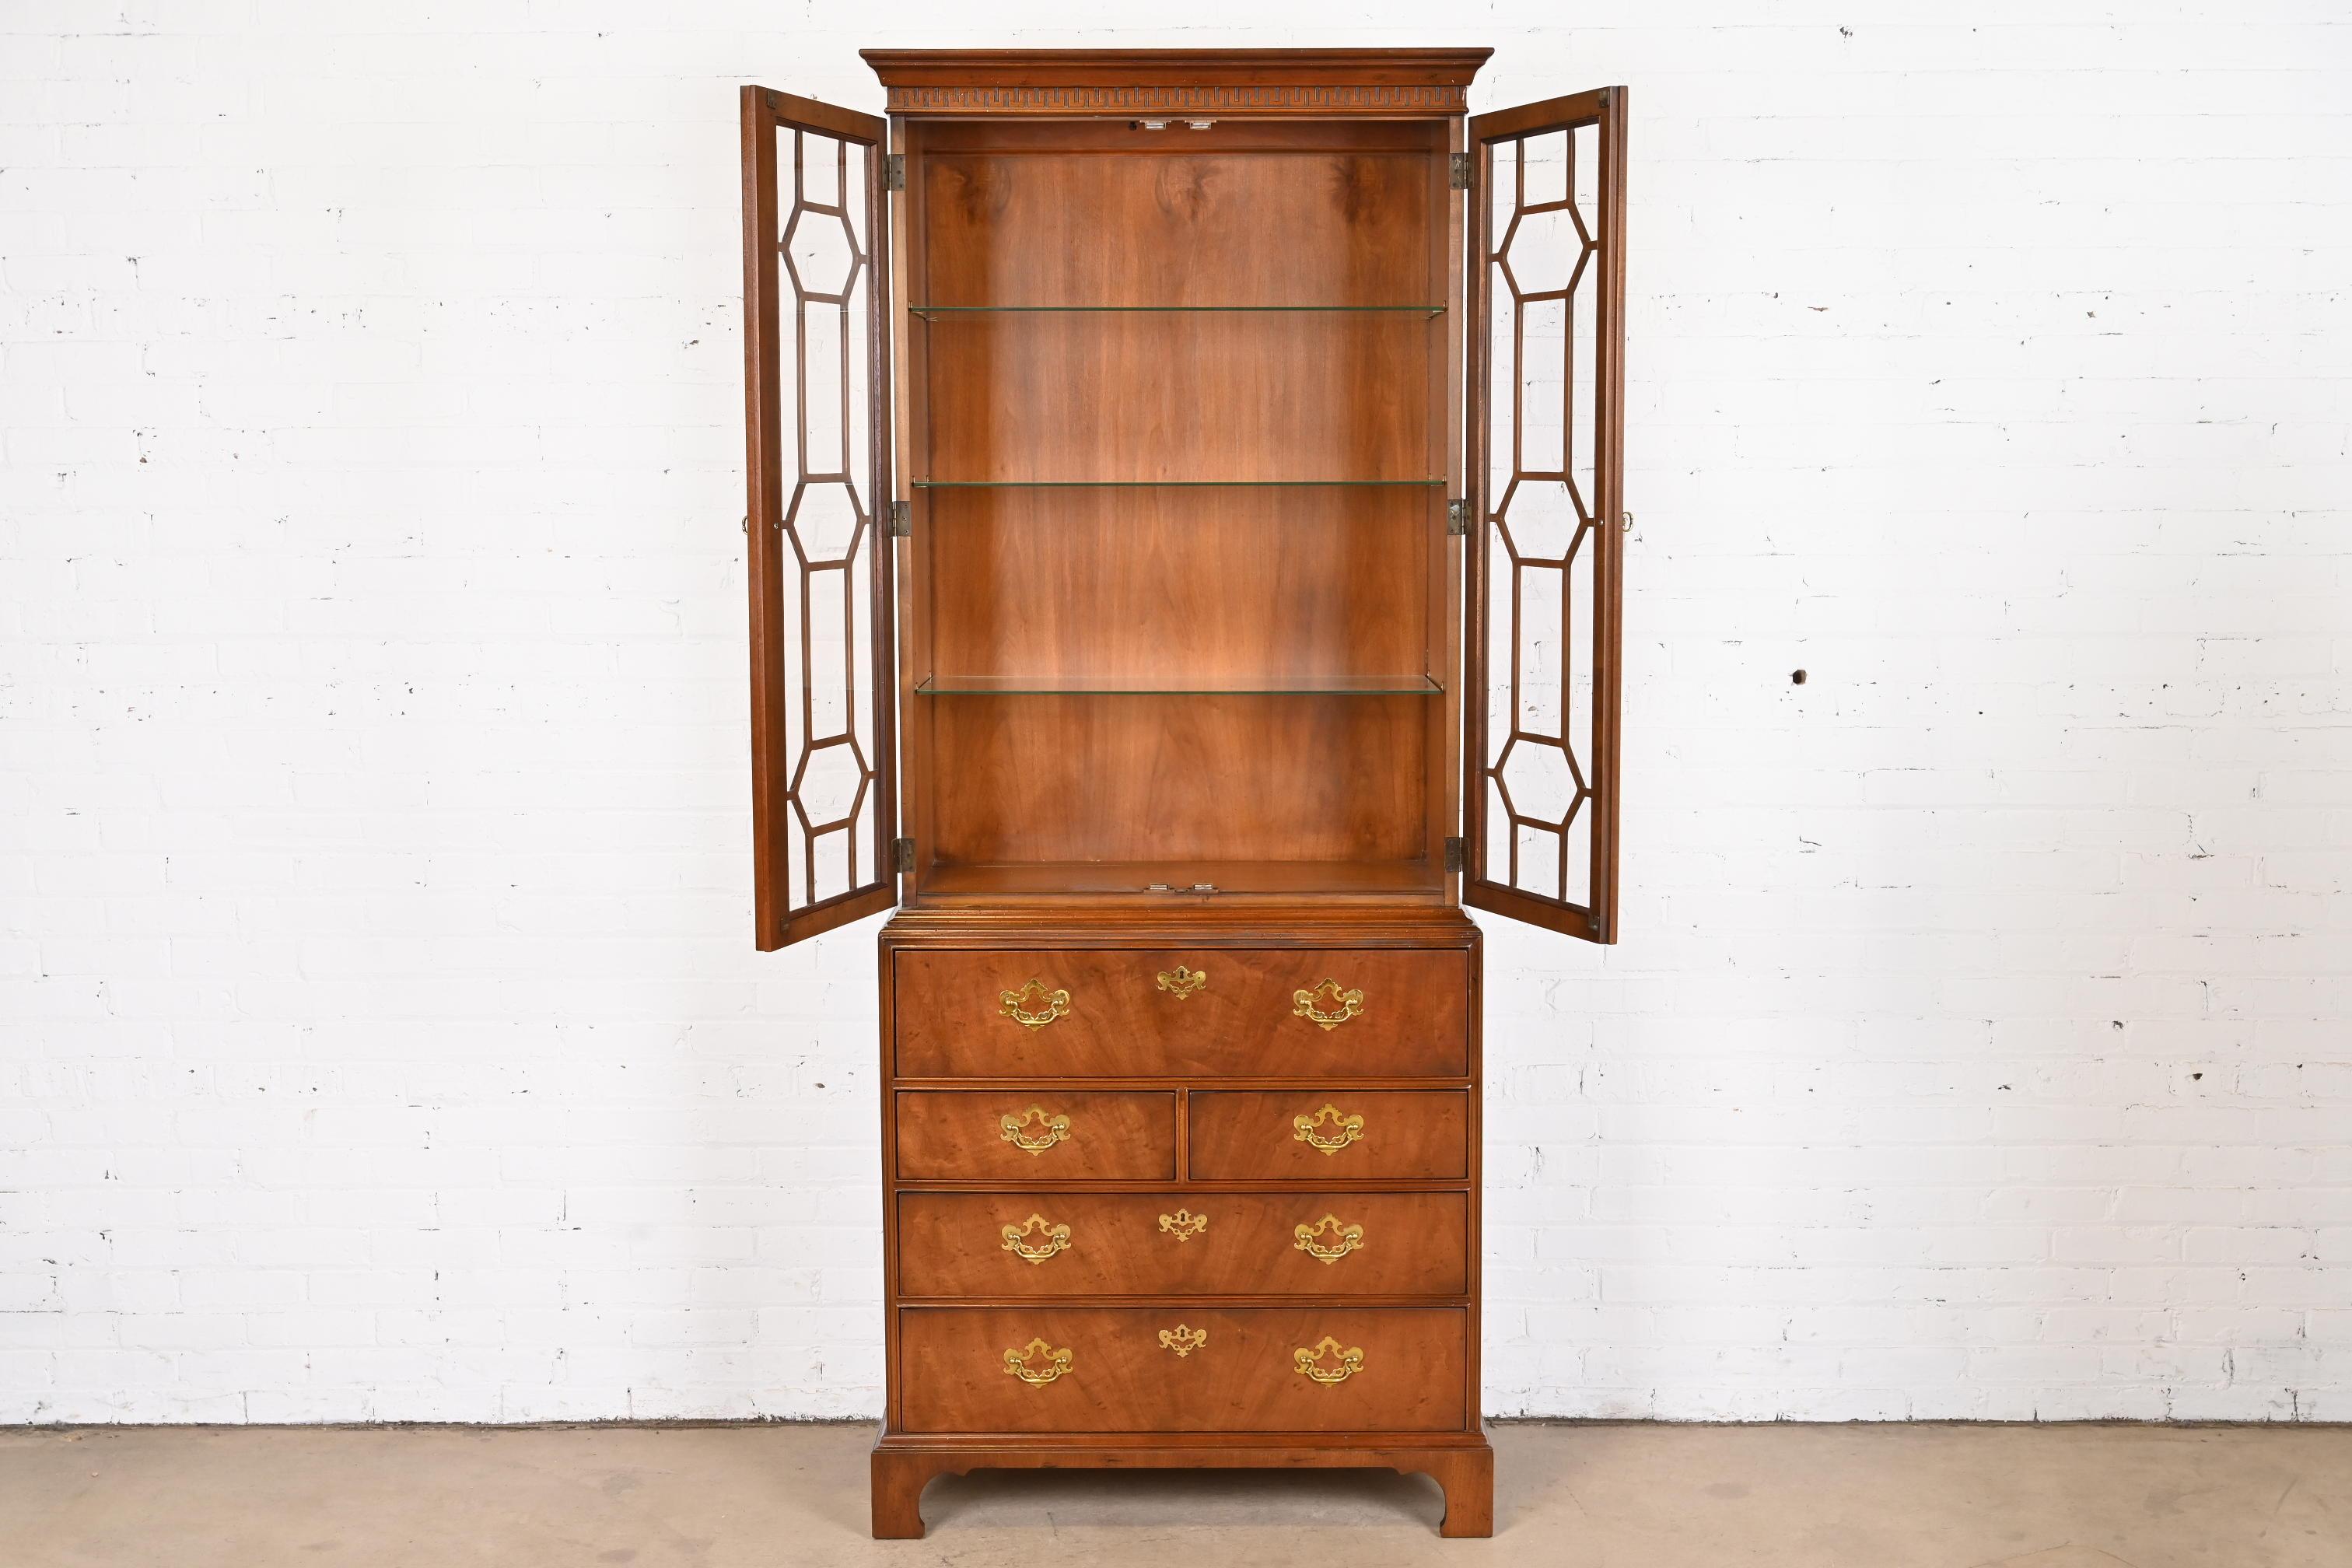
(1326, 1005)
(1180, 981)
(1183, 1225)
(1033, 1005)
(1051, 1238)
(1055, 1363)
(1328, 1364)
(1051, 1129)
(1328, 1240)
(1345, 1130)
(1183, 1341)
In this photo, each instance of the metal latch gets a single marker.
(1457, 516)
(894, 171)
(902, 854)
(902, 519)
(1461, 166)
(1457, 854)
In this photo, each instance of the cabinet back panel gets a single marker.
(1163, 394)
(1194, 586)
(1167, 584)
(1309, 227)
(1169, 778)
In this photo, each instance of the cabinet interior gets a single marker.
(1176, 432)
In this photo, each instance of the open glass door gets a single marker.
(816, 401)
(1546, 292)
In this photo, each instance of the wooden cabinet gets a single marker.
(1184, 520)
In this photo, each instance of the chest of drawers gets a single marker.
(1152, 1202)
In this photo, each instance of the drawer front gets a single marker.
(1091, 1369)
(1317, 1135)
(1036, 1242)
(1035, 1135)
(1130, 1013)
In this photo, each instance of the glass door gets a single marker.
(816, 396)
(1542, 613)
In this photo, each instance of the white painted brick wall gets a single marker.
(383, 1037)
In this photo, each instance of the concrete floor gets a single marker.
(1580, 1496)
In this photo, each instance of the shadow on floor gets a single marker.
(1177, 1499)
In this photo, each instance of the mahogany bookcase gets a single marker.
(1185, 499)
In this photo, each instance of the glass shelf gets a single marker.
(957, 312)
(1177, 686)
(1155, 484)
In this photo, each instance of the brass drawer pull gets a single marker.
(1050, 1129)
(1326, 1005)
(1180, 981)
(1327, 1363)
(1344, 1130)
(1326, 1241)
(1053, 1362)
(1183, 1225)
(1033, 1005)
(1183, 1341)
(1051, 1238)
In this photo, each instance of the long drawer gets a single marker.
(1315, 1136)
(1024, 1135)
(1214, 1012)
(1047, 1243)
(1095, 1369)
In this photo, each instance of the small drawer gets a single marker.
(1194, 1012)
(1040, 1243)
(1168, 1369)
(1035, 1135)
(1309, 1135)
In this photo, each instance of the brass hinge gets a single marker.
(1461, 171)
(1457, 516)
(1457, 854)
(894, 171)
(902, 519)
(902, 854)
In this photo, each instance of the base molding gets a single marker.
(903, 1466)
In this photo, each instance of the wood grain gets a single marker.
(1242, 1020)
(1413, 1244)
(1157, 395)
(1244, 1379)
(1019, 224)
(958, 1135)
(1252, 1136)
(1273, 778)
(1321, 83)
(1194, 586)
(1190, 585)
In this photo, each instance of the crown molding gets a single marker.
(1388, 83)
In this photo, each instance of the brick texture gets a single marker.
(380, 1032)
